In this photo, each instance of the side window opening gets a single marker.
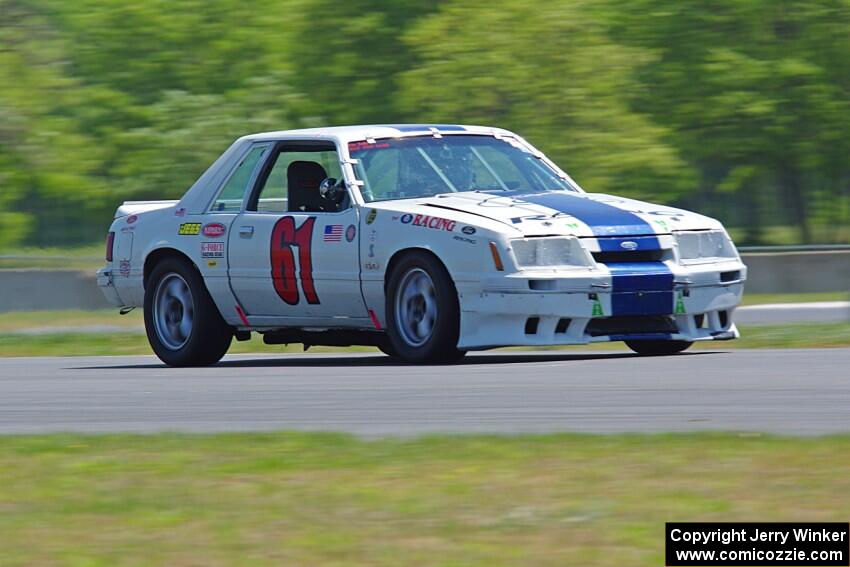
(291, 183)
(230, 197)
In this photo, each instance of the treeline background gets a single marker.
(739, 109)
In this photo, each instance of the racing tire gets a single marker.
(658, 348)
(423, 311)
(386, 347)
(183, 325)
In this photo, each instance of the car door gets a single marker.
(293, 257)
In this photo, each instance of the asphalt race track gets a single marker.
(781, 391)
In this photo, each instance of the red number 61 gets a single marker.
(284, 237)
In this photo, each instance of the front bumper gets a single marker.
(107, 286)
(527, 309)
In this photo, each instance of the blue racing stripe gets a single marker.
(603, 219)
(641, 288)
(426, 127)
(638, 288)
(638, 244)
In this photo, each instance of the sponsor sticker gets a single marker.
(370, 218)
(373, 236)
(358, 146)
(350, 233)
(465, 239)
(132, 218)
(212, 249)
(124, 268)
(189, 229)
(680, 305)
(426, 221)
(371, 266)
(212, 263)
(214, 230)
(597, 309)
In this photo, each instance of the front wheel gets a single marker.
(183, 324)
(423, 312)
(658, 348)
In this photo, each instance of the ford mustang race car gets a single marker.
(426, 241)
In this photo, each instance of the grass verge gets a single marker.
(816, 335)
(331, 500)
(764, 298)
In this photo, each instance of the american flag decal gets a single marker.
(333, 233)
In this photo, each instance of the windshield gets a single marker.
(408, 168)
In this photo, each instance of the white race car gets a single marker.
(424, 240)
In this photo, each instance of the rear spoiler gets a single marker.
(136, 207)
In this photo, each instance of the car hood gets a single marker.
(561, 213)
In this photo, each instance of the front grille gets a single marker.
(628, 256)
(631, 325)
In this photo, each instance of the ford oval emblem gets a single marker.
(629, 244)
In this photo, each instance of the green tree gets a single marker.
(349, 55)
(757, 95)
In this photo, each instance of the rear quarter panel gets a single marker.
(174, 229)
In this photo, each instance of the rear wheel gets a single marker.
(183, 324)
(658, 348)
(423, 313)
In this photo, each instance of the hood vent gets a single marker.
(465, 211)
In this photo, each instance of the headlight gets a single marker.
(705, 246)
(549, 252)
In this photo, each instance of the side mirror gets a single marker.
(332, 189)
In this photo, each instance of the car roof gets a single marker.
(346, 134)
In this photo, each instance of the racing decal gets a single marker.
(597, 309)
(212, 249)
(435, 223)
(242, 316)
(371, 266)
(350, 233)
(214, 230)
(124, 268)
(680, 305)
(189, 229)
(373, 235)
(546, 219)
(465, 239)
(359, 146)
(370, 218)
(374, 319)
(285, 237)
(332, 233)
(132, 218)
(212, 264)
